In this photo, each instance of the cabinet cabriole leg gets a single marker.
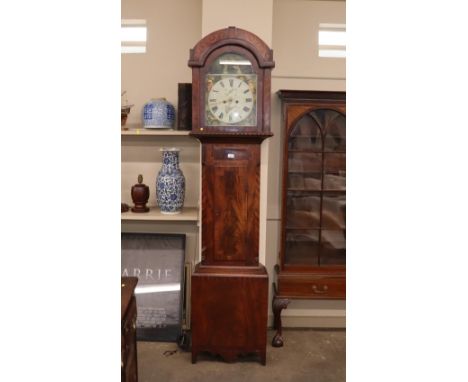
(278, 305)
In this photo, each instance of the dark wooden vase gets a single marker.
(140, 196)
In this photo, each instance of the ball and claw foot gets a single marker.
(277, 341)
(278, 305)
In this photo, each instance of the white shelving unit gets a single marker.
(141, 155)
(140, 130)
(154, 215)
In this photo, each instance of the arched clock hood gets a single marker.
(234, 37)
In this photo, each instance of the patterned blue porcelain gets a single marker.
(158, 114)
(170, 183)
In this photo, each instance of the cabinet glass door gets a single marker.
(315, 226)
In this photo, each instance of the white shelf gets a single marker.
(133, 130)
(154, 214)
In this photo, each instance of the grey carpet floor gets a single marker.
(308, 355)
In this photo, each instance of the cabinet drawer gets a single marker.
(312, 287)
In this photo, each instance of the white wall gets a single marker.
(295, 39)
(174, 27)
(252, 15)
(290, 28)
(295, 47)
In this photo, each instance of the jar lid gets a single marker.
(140, 182)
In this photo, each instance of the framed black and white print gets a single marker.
(158, 262)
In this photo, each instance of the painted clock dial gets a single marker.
(230, 100)
(231, 92)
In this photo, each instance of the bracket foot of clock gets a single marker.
(278, 305)
(230, 356)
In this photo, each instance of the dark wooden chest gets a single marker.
(128, 330)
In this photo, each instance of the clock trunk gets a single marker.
(230, 204)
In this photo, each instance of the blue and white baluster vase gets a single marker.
(170, 183)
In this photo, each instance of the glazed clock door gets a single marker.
(231, 92)
(315, 200)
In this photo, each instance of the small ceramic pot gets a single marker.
(158, 113)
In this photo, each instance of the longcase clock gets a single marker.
(231, 76)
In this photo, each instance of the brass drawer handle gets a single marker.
(318, 291)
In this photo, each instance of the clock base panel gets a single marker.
(229, 311)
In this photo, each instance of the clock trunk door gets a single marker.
(230, 197)
(230, 204)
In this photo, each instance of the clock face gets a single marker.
(231, 92)
(231, 100)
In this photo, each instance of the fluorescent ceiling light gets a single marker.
(332, 40)
(133, 36)
(132, 33)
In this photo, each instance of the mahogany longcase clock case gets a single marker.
(231, 76)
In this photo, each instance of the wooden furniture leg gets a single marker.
(278, 305)
(263, 358)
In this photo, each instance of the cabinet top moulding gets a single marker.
(139, 130)
(307, 95)
(187, 214)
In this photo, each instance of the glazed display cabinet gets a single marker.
(312, 261)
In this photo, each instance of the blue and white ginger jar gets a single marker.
(170, 183)
(158, 113)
